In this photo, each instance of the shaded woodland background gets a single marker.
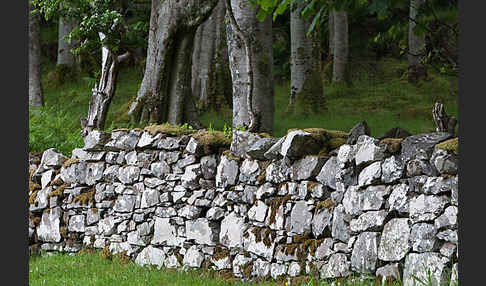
(315, 64)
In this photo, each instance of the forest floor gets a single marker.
(379, 93)
(95, 269)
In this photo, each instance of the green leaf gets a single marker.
(261, 15)
(308, 9)
(315, 21)
(282, 7)
(419, 30)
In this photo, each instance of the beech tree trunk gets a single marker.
(416, 46)
(341, 45)
(167, 78)
(64, 54)
(103, 91)
(210, 72)
(36, 97)
(331, 33)
(259, 35)
(306, 90)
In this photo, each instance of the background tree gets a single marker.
(341, 45)
(36, 97)
(306, 89)
(165, 91)
(251, 64)
(211, 79)
(416, 45)
(101, 26)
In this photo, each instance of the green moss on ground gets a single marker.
(449, 145)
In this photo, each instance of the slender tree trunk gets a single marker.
(36, 97)
(341, 46)
(64, 54)
(259, 35)
(416, 46)
(103, 92)
(331, 33)
(172, 27)
(306, 91)
(196, 66)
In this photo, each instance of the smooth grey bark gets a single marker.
(172, 22)
(260, 66)
(103, 91)
(64, 54)
(36, 97)
(204, 56)
(209, 61)
(305, 62)
(341, 45)
(331, 33)
(416, 45)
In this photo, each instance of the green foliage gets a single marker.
(53, 128)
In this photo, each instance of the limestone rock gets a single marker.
(258, 211)
(249, 172)
(365, 252)
(258, 149)
(368, 221)
(95, 140)
(337, 266)
(263, 248)
(227, 172)
(77, 223)
(202, 231)
(346, 154)
(278, 171)
(209, 165)
(423, 238)
(241, 141)
(125, 203)
(421, 143)
(277, 270)
(261, 268)
(74, 173)
(448, 235)
(438, 185)
(299, 143)
(307, 168)
(398, 199)
(444, 162)
(129, 174)
(368, 150)
(359, 129)
(107, 226)
(300, 218)
(340, 229)
(165, 233)
(327, 175)
(370, 175)
(232, 229)
(448, 218)
(391, 170)
(49, 227)
(425, 208)
(160, 169)
(191, 176)
(394, 241)
(273, 153)
(238, 264)
(417, 265)
(321, 221)
(193, 257)
(151, 256)
(389, 272)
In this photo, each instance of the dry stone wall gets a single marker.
(314, 201)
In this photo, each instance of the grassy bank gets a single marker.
(94, 269)
(379, 94)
